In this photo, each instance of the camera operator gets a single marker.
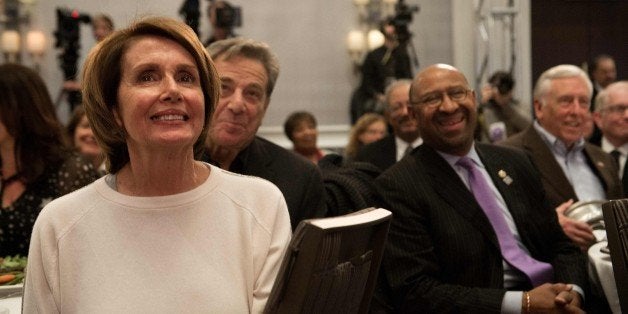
(223, 17)
(102, 26)
(381, 66)
(500, 115)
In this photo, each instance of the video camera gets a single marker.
(67, 38)
(403, 18)
(228, 16)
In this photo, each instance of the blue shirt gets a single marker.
(573, 162)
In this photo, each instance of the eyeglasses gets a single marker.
(436, 98)
(567, 101)
(619, 109)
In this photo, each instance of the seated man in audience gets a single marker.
(472, 230)
(249, 70)
(405, 133)
(611, 116)
(603, 72)
(571, 168)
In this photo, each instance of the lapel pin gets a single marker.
(600, 164)
(505, 177)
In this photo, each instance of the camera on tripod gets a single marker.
(67, 38)
(403, 18)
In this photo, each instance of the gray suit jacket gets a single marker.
(442, 254)
(555, 182)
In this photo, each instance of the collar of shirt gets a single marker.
(608, 147)
(453, 159)
(401, 145)
(556, 145)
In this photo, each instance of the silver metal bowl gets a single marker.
(589, 212)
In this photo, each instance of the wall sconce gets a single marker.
(367, 35)
(10, 40)
(375, 39)
(356, 43)
(36, 46)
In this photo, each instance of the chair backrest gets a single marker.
(616, 220)
(331, 265)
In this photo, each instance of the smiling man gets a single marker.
(248, 71)
(472, 230)
(405, 132)
(571, 169)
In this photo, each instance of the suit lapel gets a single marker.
(500, 171)
(256, 161)
(600, 168)
(448, 185)
(546, 164)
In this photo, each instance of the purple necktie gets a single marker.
(538, 272)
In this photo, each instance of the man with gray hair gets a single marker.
(611, 116)
(405, 131)
(248, 71)
(571, 169)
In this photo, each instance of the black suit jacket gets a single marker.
(555, 183)
(299, 180)
(442, 253)
(381, 153)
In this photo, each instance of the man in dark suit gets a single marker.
(603, 72)
(443, 253)
(249, 70)
(405, 132)
(611, 116)
(571, 169)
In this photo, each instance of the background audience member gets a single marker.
(369, 128)
(381, 66)
(500, 115)
(602, 72)
(405, 132)
(221, 24)
(82, 137)
(102, 26)
(472, 230)
(248, 71)
(611, 116)
(300, 128)
(37, 164)
(571, 168)
(180, 234)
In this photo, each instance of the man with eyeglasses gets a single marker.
(571, 169)
(611, 116)
(472, 231)
(405, 134)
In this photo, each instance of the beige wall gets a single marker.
(307, 35)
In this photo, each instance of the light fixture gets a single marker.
(366, 36)
(356, 43)
(375, 39)
(10, 40)
(36, 42)
(16, 17)
(36, 46)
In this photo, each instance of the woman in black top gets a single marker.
(36, 164)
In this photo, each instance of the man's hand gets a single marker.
(553, 298)
(579, 232)
(487, 93)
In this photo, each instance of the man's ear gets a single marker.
(597, 118)
(538, 113)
